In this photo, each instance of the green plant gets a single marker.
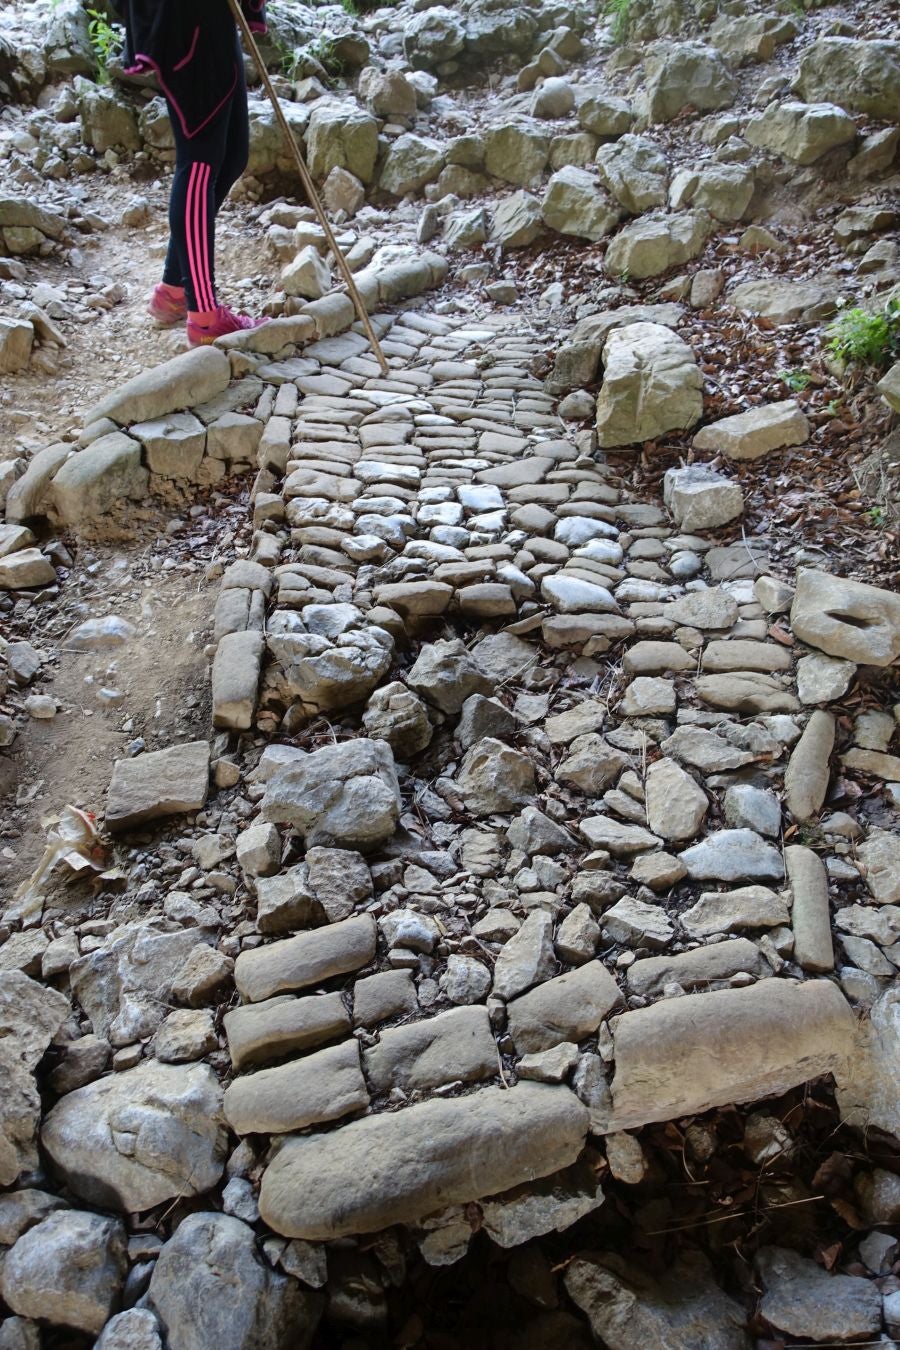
(105, 41)
(798, 380)
(863, 338)
(620, 13)
(876, 516)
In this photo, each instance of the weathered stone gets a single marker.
(676, 805)
(810, 918)
(308, 959)
(621, 840)
(861, 75)
(211, 1287)
(848, 619)
(637, 924)
(701, 499)
(446, 674)
(807, 775)
(702, 967)
(455, 1046)
(517, 221)
(159, 783)
(575, 204)
(733, 855)
(98, 480)
(494, 777)
(24, 569)
(235, 679)
(412, 161)
(377, 998)
(310, 1091)
(134, 1329)
(821, 678)
(802, 132)
(630, 1310)
(345, 794)
(787, 301)
(186, 381)
(281, 1026)
(683, 74)
(754, 808)
(396, 715)
(804, 1300)
(68, 1270)
(656, 242)
(30, 1016)
(409, 1163)
(567, 1008)
(880, 855)
(465, 980)
(635, 171)
(651, 385)
(516, 152)
(755, 433)
(683, 1056)
(537, 1207)
(343, 136)
(138, 1138)
(579, 933)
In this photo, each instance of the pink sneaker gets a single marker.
(225, 321)
(166, 307)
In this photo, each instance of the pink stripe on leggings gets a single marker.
(196, 244)
(204, 236)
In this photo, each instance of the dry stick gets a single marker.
(308, 185)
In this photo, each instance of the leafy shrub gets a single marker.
(863, 338)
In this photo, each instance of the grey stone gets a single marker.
(701, 967)
(810, 917)
(802, 132)
(756, 808)
(733, 855)
(186, 381)
(138, 1138)
(431, 1155)
(683, 74)
(446, 674)
(701, 499)
(651, 385)
(635, 171)
(281, 1026)
(30, 1016)
(312, 1090)
(527, 958)
(211, 1287)
(345, 794)
(821, 678)
(803, 1299)
(656, 242)
(465, 980)
(637, 924)
(537, 1207)
(377, 998)
(68, 1270)
(493, 777)
(807, 775)
(880, 855)
(579, 933)
(861, 75)
(517, 221)
(308, 959)
(676, 805)
(848, 619)
(567, 1008)
(158, 783)
(575, 204)
(342, 136)
(135, 1329)
(630, 1310)
(757, 432)
(455, 1046)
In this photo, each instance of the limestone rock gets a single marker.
(455, 1046)
(138, 1138)
(551, 1204)
(880, 854)
(656, 242)
(445, 674)
(630, 1310)
(412, 161)
(210, 1286)
(325, 671)
(30, 1016)
(432, 37)
(755, 433)
(516, 152)
(308, 959)
(676, 805)
(802, 132)
(635, 171)
(312, 1090)
(517, 221)
(807, 775)
(848, 619)
(810, 917)
(787, 301)
(24, 569)
(575, 204)
(98, 480)
(686, 73)
(651, 385)
(411, 1162)
(345, 795)
(527, 958)
(683, 1056)
(701, 499)
(861, 75)
(567, 1008)
(733, 855)
(68, 1270)
(803, 1299)
(342, 136)
(135, 1329)
(396, 715)
(186, 381)
(158, 783)
(283, 1025)
(699, 968)
(493, 777)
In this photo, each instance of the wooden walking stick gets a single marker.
(308, 184)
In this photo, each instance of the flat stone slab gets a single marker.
(719, 961)
(455, 1046)
(309, 958)
(308, 1091)
(752, 434)
(186, 381)
(161, 783)
(284, 1025)
(406, 1164)
(566, 1008)
(685, 1055)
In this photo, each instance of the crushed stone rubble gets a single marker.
(531, 818)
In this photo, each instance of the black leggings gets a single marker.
(207, 165)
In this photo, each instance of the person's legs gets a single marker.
(190, 261)
(237, 136)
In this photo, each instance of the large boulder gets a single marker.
(412, 161)
(860, 75)
(654, 243)
(686, 74)
(68, 1270)
(328, 659)
(432, 37)
(30, 1016)
(516, 152)
(346, 795)
(651, 385)
(343, 136)
(635, 171)
(107, 123)
(802, 132)
(575, 204)
(725, 190)
(140, 1138)
(211, 1287)
(67, 40)
(517, 221)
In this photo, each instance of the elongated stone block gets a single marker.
(309, 958)
(285, 1025)
(400, 1166)
(686, 1055)
(308, 1091)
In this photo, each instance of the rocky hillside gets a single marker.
(450, 831)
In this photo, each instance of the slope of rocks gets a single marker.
(526, 883)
